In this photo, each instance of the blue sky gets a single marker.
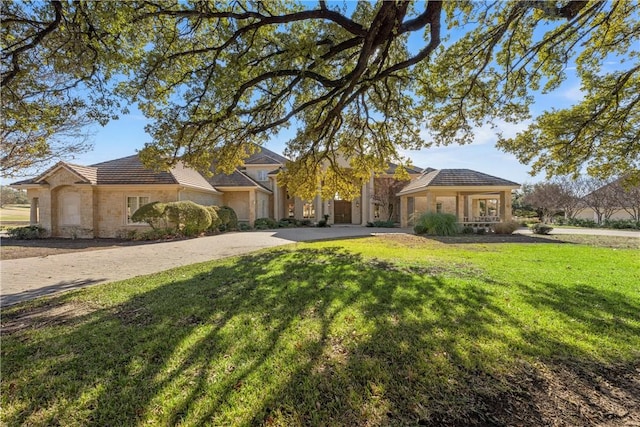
(123, 137)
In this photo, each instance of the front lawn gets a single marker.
(387, 330)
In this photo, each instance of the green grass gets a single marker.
(12, 213)
(376, 331)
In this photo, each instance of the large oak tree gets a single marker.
(358, 81)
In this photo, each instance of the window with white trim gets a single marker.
(262, 175)
(133, 204)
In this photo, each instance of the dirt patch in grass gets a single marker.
(41, 316)
(15, 249)
(615, 242)
(565, 394)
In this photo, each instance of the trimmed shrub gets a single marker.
(189, 218)
(30, 232)
(243, 226)
(481, 231)
(436, 224)
(228, 218)
(265, 224)
(215, 219)
(541, 228)
(152, 213)
(505, 227)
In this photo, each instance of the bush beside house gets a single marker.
(184, 218)
(436, 224)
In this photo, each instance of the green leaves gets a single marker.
(214, 78)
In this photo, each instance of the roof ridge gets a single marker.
(114, 160)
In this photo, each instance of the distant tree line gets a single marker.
(11, 196)
(567, 197)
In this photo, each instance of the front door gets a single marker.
(342, 212)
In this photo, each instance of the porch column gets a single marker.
(276, 200)
(364, 212)
(431, 202)
(475, 208)
(33, 212)
(317, 207)
(460, 207)
(369, 200)
(505, 205)
(253, 206)
(404, 217)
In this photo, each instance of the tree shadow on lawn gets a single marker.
(304, 337)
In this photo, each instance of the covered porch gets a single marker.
(474, 209)
(477, 200)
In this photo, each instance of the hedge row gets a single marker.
(186, 217)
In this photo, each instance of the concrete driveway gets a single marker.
(27, 278)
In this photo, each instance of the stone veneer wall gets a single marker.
(201, 197)
(239, 202)
(111, 218)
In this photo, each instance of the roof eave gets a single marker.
(29, 185)
(243, 188)
(195, 187)
(459, 188)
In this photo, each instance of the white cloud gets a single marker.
(573, 93)
(486, 134)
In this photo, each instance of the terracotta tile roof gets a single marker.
(456, 178)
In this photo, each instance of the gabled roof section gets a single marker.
(89, 173)
(412, 170)
(235, 179)
(190, 177)
(455, 178)
(85, 174)
(265, 157)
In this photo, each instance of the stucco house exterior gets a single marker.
(71, 200)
